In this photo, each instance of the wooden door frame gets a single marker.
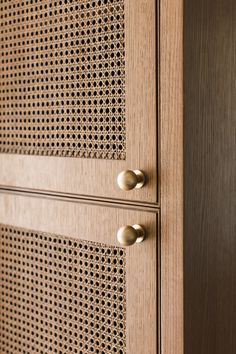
(171, 174)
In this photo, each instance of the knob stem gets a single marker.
(140, 233)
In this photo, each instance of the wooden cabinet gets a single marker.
(78, 106)
(78, 96)
(68, 286)
(90, 89)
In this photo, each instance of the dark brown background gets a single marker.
(210, 176)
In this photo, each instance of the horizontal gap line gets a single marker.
(81, 198)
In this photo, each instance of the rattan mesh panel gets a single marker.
(60, 295)
(62, 78)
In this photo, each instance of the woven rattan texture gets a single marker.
(60, 295)
(62, 78)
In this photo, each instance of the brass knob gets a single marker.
(128, 235)
(129, 179)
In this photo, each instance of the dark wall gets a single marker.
(210, 176)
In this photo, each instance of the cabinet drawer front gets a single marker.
(67, 285)
(78, 95)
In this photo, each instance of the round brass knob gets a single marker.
(129, 179)
(128, 235)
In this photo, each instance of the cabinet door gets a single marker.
(78, 95)
(68, 286)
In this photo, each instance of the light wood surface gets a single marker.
(126, 204)
(93, 177)
(171, 175)
(100, 224)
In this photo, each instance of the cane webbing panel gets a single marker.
(60, 295)
(62, 78)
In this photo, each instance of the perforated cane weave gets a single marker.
(60, 295)
(62, 78)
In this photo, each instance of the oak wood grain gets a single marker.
(210, 183)
(171, 175)
(126, 204)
